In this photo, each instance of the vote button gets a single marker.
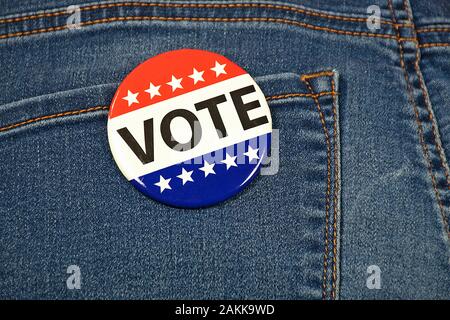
(189, 128)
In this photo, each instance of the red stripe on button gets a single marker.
(159, 71)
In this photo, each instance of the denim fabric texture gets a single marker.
(364, 137)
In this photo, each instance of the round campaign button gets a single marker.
(189, 128)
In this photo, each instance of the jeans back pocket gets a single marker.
(64, 202)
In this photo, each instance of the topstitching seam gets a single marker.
(97, 108)
(426, 100)
(208, 19)
(305, 79)
(434, 44)
(419, 124)
(427, 30)
(336, 190)
(198, 5)
(52, 116)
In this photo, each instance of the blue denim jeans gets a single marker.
(358, 208)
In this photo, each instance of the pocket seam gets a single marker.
(52, 116)
(336, 173)
(102, 107)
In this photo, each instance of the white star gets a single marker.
(163, 184)
(197, 76)
(208, 168)
(175, 83)
(219, 69)
(153, 90)
(185, 176)
(229, 161)
(251, 153)
(131, 98)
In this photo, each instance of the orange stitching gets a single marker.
(52, 116)
(336, 191)
(256, 19)
(317, 74)
(308, 95)
(436, 44)
(426, 100)
(406, 39)
(418, 122)
(425, 30)
(199, 5)
(305, 78)
(76, 112)
(27, 33)
(336, 173)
